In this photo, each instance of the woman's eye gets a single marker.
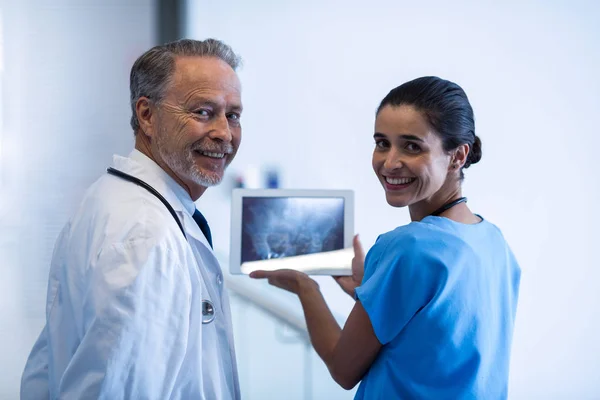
(380, 144)
(413, 148)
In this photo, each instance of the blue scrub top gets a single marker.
(441, 297)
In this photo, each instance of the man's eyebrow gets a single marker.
(213, 104)
(202, 100)
(236, 107)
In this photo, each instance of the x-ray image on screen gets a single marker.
(276, 227)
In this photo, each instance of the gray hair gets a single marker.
(151, 73)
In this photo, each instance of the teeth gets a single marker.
(213, 155)
(398, 181)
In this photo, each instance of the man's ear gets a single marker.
(145, 111)
(459, 158)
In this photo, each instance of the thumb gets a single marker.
(358, 249)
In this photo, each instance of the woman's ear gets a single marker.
(459, 156)
(144, 109)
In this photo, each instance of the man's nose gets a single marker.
(220, 129)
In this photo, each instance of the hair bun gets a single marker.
(475, 153)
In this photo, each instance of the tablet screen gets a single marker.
(279, 227)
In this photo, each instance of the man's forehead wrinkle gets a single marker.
(192, 83)
(207, 94)
(205, 81)
(197, 93)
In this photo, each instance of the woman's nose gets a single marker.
(393, 161)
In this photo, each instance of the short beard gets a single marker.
(185, 166)
(183, 163)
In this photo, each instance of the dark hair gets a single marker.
(447, 109)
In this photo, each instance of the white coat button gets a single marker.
(219, 279)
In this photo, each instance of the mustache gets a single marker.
(212, 146)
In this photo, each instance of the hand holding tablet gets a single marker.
(305, 230)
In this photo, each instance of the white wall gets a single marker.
(314, 73)
(65, 94)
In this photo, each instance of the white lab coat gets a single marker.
(124, 304)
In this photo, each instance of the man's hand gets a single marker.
(349, 283)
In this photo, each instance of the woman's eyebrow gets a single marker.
(403, 136)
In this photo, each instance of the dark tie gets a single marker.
(203, 224)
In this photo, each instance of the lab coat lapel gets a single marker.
(194, 232)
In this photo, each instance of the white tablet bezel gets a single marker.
(236, 216)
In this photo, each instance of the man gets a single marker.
(136, 307)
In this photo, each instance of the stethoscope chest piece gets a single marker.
(208, 312)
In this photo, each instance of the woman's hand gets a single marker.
(287, 279)
(349, 283)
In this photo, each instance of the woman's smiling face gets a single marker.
(409, 158)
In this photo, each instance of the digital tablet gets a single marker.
(306, 230)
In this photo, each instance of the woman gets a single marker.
(435, 310)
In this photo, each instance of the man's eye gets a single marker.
(233, 116)
(202, 112)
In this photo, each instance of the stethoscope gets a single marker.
(208, 309)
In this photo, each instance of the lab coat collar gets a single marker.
(142, 167)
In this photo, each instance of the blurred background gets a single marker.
(313, 75)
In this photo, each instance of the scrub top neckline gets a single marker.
(461, 224)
